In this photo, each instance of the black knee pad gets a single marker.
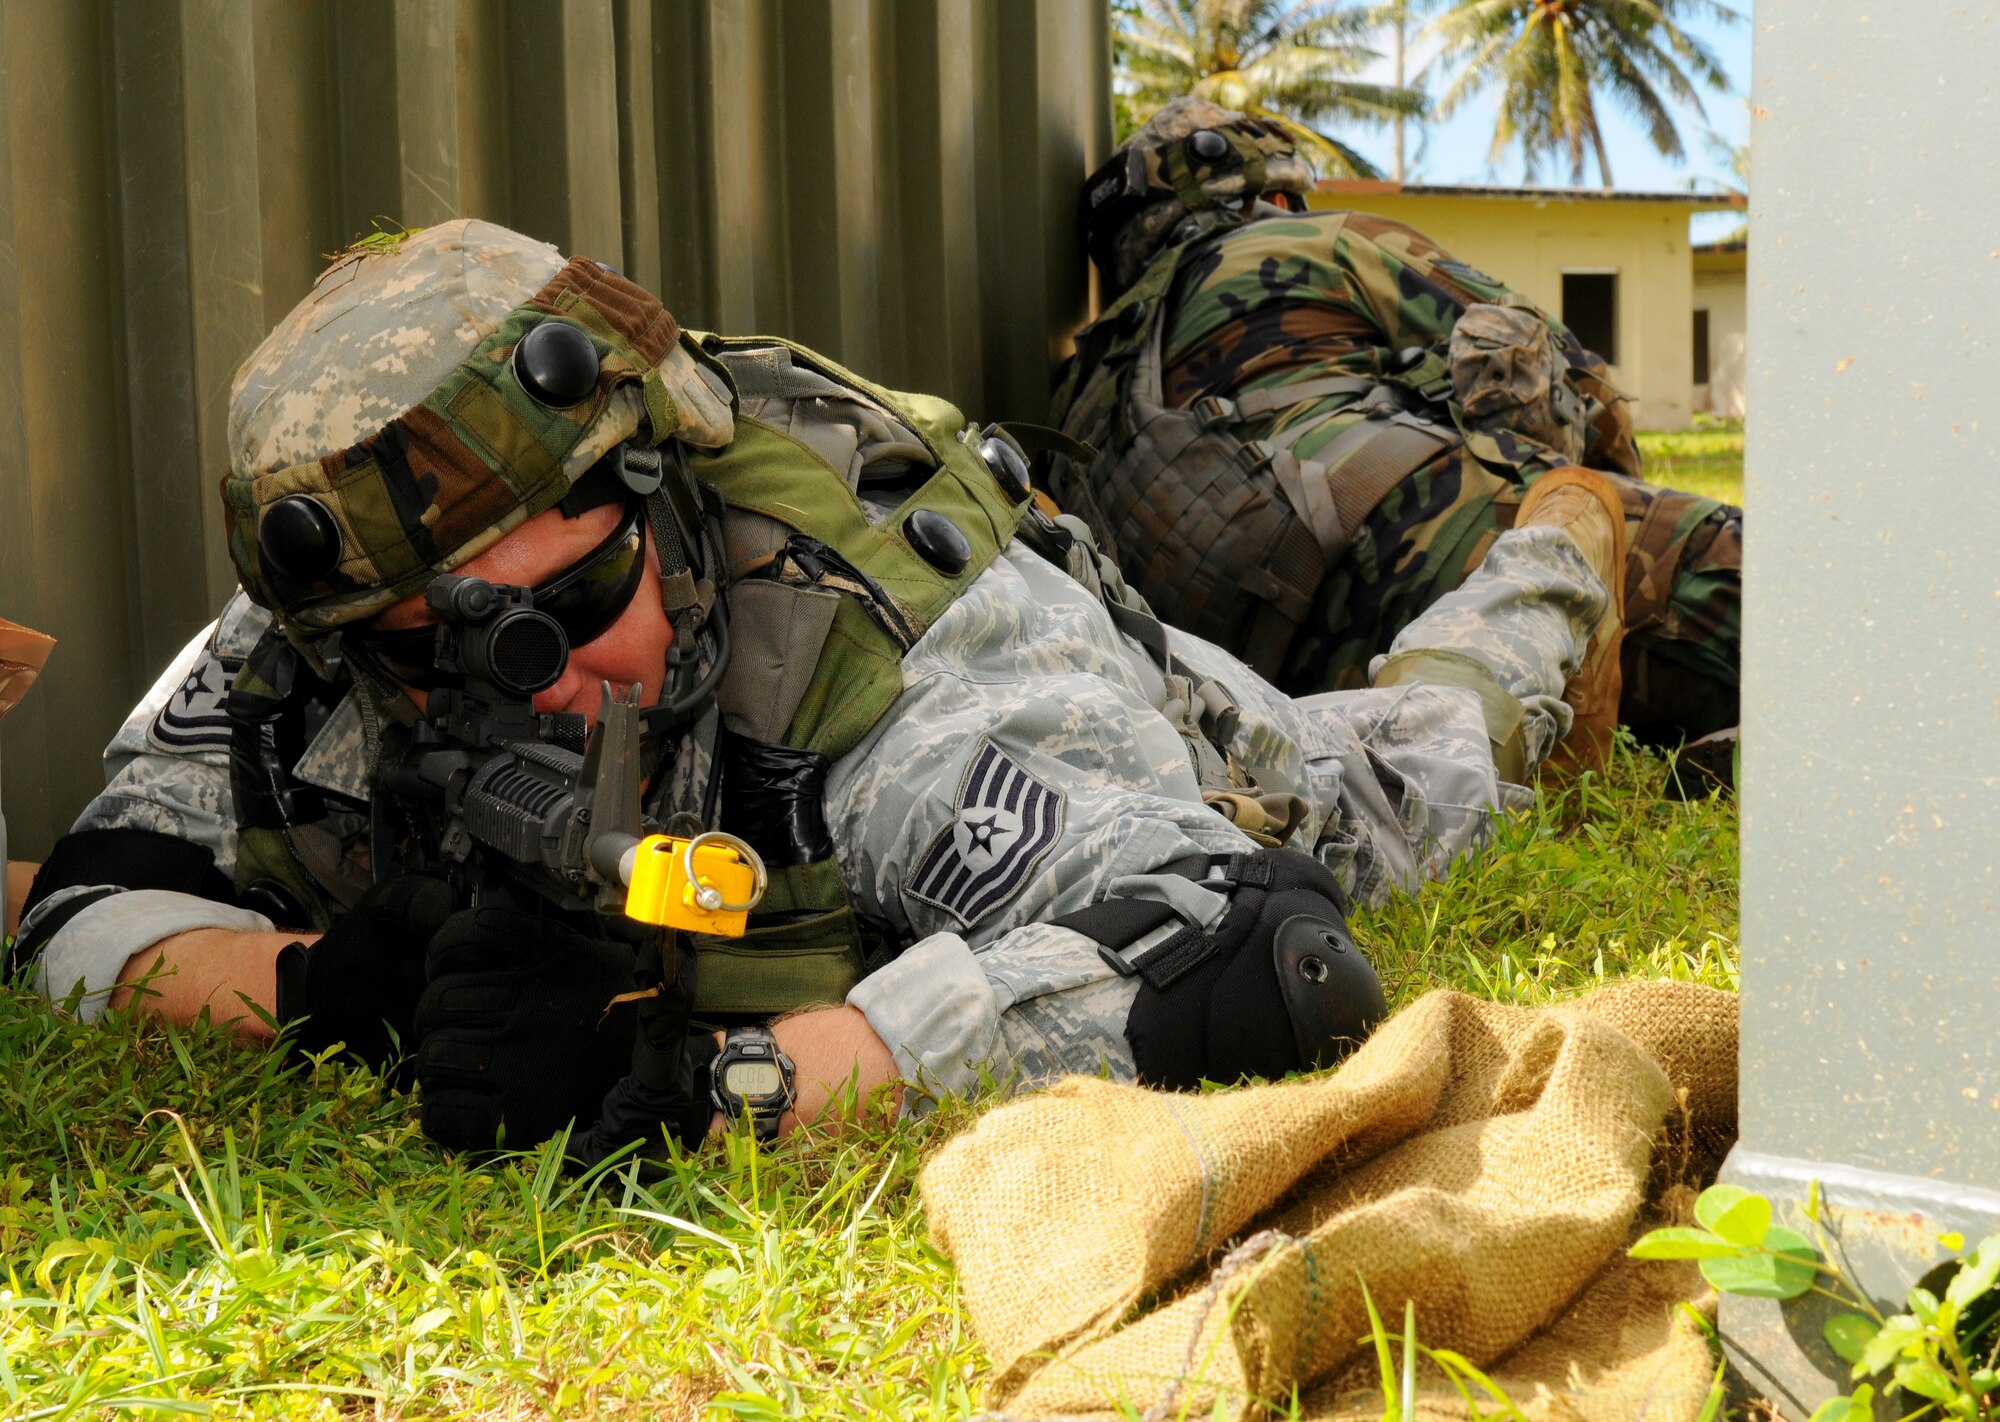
(1277, 986)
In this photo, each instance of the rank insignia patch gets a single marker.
(196, 717)
(1007, 822)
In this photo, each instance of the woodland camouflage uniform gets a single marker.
(1282, 299)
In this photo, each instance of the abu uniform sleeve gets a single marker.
(1021, 776)
(153, 853)
(1024, 775)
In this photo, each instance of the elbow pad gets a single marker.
(1276, 986)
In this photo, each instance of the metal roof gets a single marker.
(1370, 187)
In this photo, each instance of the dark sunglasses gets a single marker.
(585, 599)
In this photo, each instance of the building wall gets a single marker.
(1719, 290)
(1529, 242)
(891, 181)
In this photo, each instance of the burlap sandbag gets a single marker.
(1119, 1248)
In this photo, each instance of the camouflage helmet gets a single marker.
(430, 395)
(1187, 171)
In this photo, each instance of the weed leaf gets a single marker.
(1858, 1408)
(1977, 1276)
(1897, 1334)
(1734, 1213)
(1783, 1269)
(1925, 1379)
(1849, 1334)
(1680, 1242)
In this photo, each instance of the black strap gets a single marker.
(131, 859)
(1041, 439)
(1116, 924)
(1166, 963)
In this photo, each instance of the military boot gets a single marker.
(1583, 504)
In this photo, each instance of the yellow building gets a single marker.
(1719, 321)
(1616, 267)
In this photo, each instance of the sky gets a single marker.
(1456, 151)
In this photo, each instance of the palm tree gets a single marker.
(1289, 61)
(1554, 59)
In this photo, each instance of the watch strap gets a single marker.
(762, 1119)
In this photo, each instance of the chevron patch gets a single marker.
(196, 715)
(1006, 824)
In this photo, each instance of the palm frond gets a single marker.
(1552, 59)
(1298, 60)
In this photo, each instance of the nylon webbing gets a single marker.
(677, 584)
(1309, 491)
(1363, 473)
(1040, 439)
(1219, 712)
(1262, 402)
(1114, 925)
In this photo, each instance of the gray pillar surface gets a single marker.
(1871, 818)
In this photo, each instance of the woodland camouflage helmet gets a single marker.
(429, 396)
(1191, 168)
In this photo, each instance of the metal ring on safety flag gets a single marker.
(710, 899)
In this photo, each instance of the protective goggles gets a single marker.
(584, 599)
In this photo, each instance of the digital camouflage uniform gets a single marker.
(1283, 299)
(1033, 763)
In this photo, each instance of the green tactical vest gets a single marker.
(817, 651)
(806, 945)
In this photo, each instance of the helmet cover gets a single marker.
(1193, 161)
(387, 412)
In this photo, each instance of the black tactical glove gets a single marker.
(666, 1089)
(364, 976)
(518, 1035)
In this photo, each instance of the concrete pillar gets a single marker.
(1871, 822)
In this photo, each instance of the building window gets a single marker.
(1701, 348)
(1590, 310)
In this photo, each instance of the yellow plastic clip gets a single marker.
(707, 884)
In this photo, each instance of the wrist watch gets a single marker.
(751, 1077)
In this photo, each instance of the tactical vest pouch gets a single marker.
(803, 954)
(781, 468)
(778, 631)
(1233, 538)
(1197, 518)
(1508, 374)
(291, 862)
(827, 593)
(805, 945)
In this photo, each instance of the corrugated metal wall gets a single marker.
(891, 181)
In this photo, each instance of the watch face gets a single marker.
(753, 1079)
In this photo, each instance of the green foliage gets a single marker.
(188, 1224)
(1290, 60)
(1605, 880)
(1554, 60)
(1740, 1249)
(1707, 459)
(1942, 1356)
(1399, 1388)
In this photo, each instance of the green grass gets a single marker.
(1707, 459)
(192, 1228)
